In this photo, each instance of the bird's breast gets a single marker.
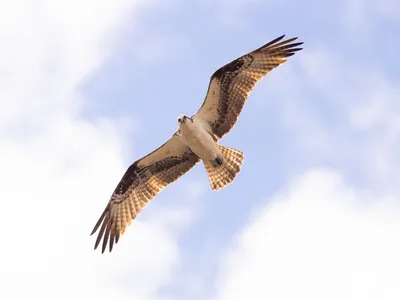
(199, 141)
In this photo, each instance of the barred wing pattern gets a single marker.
(231, 85)
(143, 180)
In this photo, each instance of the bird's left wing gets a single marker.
(143, 180)
(230, 85)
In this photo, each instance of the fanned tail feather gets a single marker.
(223, 174)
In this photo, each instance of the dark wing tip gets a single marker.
(108, 231)
(106, 237)
(105, 223)
(96, 227)
(100, 219)
(295, 44)
(284, 47)
(111, 242)
(272, 42)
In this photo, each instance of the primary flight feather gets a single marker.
(196, 139)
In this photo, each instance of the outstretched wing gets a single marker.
(143, 180)
(230, 85)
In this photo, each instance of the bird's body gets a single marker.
(197, 138)
(194, 134)
(221, 163)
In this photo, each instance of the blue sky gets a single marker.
(91, 86)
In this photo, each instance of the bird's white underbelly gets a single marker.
(199, 141)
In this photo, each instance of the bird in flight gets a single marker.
(195, 139)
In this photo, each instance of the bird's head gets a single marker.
(182, 119)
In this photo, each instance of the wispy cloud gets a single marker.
(48, 48)
(57, 169)
(318, 239)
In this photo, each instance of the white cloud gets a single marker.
(58, 170)
(319, 239)
(48, 46)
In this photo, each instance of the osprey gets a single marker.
(196, 139)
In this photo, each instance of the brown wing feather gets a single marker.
(143, 180)
(230, 85)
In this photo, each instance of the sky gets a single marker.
(87, 87)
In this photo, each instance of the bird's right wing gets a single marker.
(143, 180)
(231, 85)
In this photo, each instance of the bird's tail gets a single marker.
(223, 169)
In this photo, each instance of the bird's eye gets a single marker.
(179, 120)
(184, 117)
